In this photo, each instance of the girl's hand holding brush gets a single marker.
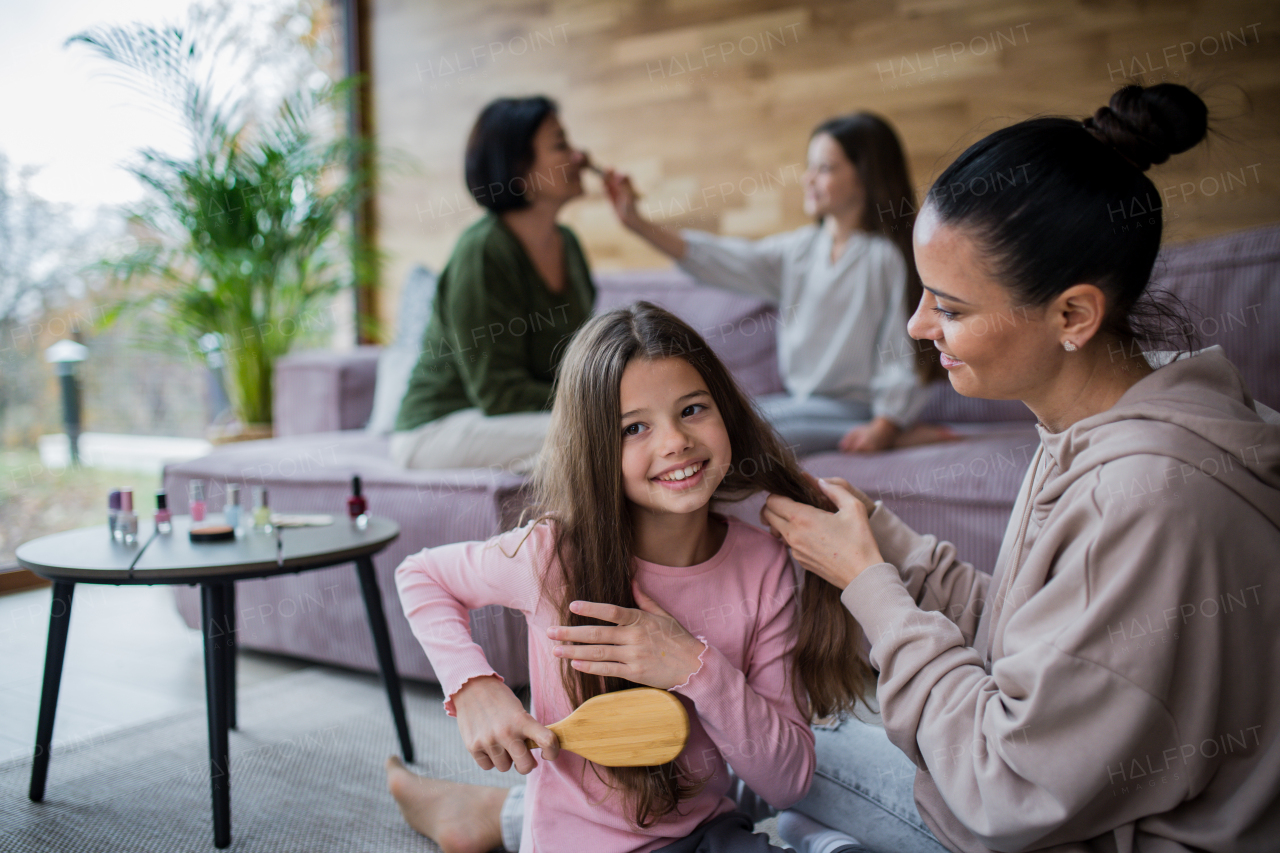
(494, 727)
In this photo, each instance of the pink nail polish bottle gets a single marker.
(127, 520)
(195, 491)
(113, 514)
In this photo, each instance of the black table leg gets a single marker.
(213, 616)
(386, 660)
(55, 651)
(229, 625)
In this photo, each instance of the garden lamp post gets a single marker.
(64, 355)
(215, 361)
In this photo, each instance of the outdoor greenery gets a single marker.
(42, 252)
(239, 242)
(35, 500)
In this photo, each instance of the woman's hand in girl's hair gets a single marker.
(866, 499)
(837, 546)
(494, 724)
(875, 435)
(646, 646)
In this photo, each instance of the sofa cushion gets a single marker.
(740, 329)
(396, 362)
(323, 391)
(946, 405)
(395, 366)
(1227, 283)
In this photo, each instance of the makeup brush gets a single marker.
(591, 166)
(641, 727)
(587, 163)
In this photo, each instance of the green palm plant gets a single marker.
(244, 237)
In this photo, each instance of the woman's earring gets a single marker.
(1068, 346)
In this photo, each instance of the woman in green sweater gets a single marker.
(515, 288)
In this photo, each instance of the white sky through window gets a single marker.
(61, 108)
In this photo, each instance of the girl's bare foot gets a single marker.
(926, 434)
(460, 818)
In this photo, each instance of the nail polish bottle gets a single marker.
(357, 506)
(195, 491)
(261, 512)
(231, 511)
(127, 520)
(164, 520)
(113, 514)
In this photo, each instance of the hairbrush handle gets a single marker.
(641, 727)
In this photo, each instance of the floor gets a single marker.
(130, 659)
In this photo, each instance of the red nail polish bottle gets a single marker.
(357, 506)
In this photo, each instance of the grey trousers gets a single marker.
(813, 425)
(862, 787)
(728, 833)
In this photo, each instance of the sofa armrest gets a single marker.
(323, 391)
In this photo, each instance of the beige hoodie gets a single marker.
(1114, 685)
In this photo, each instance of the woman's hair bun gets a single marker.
(1147, 125)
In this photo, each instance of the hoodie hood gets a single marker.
(1193, 409)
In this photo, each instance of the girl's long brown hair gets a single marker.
(577, 483)
(873, 148)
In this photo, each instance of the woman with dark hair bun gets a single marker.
(845, 288)
(1111, 684)
(515, 288)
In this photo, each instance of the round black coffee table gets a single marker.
(89, 555)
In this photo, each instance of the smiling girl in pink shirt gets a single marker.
(648, 428)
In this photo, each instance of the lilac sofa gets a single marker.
(962, 491)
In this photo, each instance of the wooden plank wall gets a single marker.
(709, 103)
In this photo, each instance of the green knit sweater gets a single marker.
(496, 333)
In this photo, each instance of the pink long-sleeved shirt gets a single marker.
(740, 603)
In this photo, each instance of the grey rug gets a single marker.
(306, 775)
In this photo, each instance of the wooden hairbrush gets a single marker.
(640, 727)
